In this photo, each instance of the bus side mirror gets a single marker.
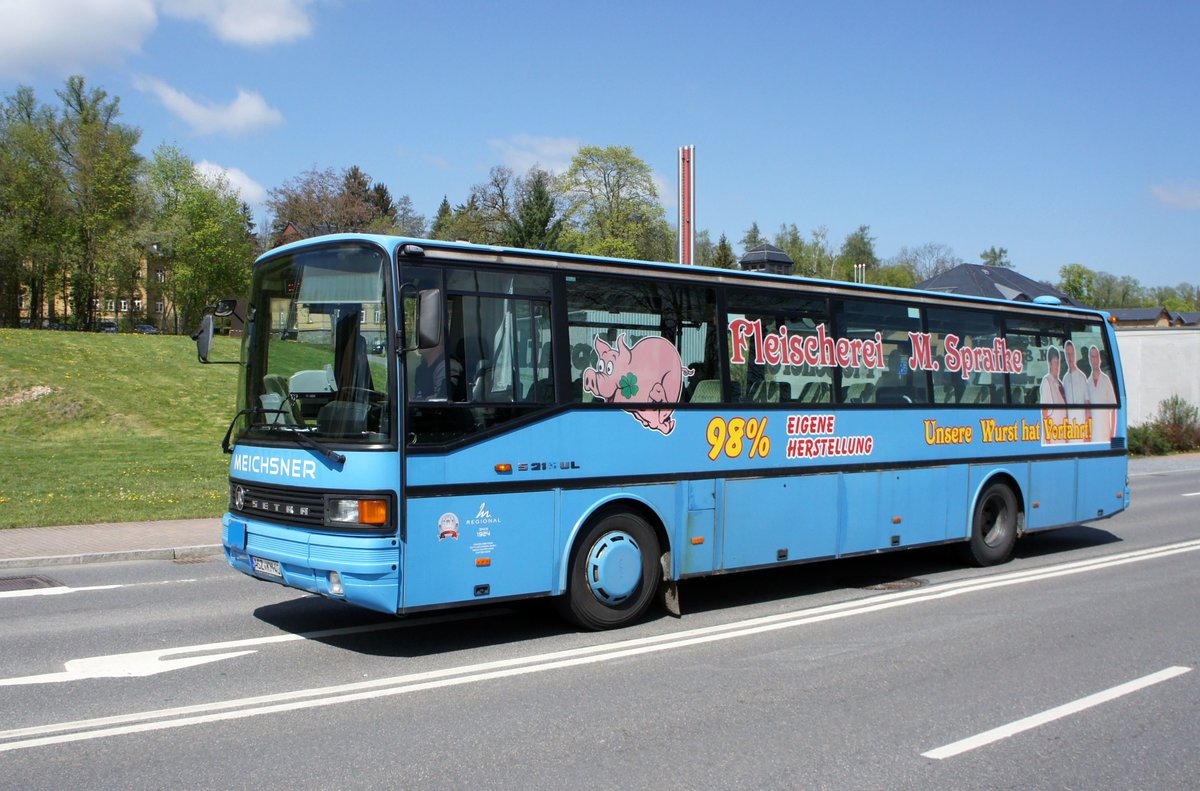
(203, 337)
(429, 319)
(225, 307)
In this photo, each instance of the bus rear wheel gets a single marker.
(613, 573)
(993, 526)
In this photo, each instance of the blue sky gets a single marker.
(1066, 132)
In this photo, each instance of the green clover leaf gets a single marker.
(629, 386)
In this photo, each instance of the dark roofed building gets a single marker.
(997, 282)
(1187, 318)
(767, 258)
(1141, 317)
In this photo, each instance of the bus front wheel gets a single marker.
(613, 573)
(993, 526)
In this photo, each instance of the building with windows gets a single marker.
(147, 302)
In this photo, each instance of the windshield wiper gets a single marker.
(301, 438)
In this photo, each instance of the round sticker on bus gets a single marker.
(448, 527)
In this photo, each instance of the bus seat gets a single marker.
(892, 395)
(481, 382)
(541, 391)
(708, 391)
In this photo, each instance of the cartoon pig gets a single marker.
(648, 371)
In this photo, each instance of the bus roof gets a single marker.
(500, 255)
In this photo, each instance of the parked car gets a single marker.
(146, 329)
(107, 325)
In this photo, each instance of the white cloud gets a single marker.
(521, 152)
(61, 37)
(250, 190)
(1177, 196)
(247, 22)
(248, 112)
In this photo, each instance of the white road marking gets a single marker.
(148, 663)
(1056, 713)
(162, 719)
(60, 590)
(1162, 472)
(1192, 494)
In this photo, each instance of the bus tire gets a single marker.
(993, 526)
(613, 573)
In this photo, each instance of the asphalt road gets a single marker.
(1076, 665)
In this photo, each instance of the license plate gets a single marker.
(264, 566)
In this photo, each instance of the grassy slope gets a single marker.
(131, 429)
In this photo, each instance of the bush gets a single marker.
(1147, 440)
(1180, 422)
(1176, 427)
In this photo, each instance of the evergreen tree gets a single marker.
(723, 257)
(994, 256)
(443, 222)
(752, 238)
(534, 225)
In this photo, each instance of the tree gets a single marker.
(443, 221)
(406, 221)
(723, 257)
(1176, 299)
(34, 235)
(790, 241)
(320, 201)
(101, 169)
(197, 230)
(307, 202)
(612, 205)
(1077, 281)
(752, 238)
(927, 260)
(536, 222)
(995, 257)
(380, 199)
(896, 275)
(858, 249)
(1110, 291)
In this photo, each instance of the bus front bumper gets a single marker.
(358, 569)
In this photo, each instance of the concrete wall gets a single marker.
(1158, 364)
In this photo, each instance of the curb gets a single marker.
(176, 553)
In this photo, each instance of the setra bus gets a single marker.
(426, 424)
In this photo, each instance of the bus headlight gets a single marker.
(345, 511)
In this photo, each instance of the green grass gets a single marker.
(130, 430)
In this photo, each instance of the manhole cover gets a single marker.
(893, 585)
(26, 583)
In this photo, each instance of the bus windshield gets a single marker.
(316, 347)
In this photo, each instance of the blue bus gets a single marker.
(424, 424)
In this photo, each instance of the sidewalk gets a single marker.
(175, 539)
